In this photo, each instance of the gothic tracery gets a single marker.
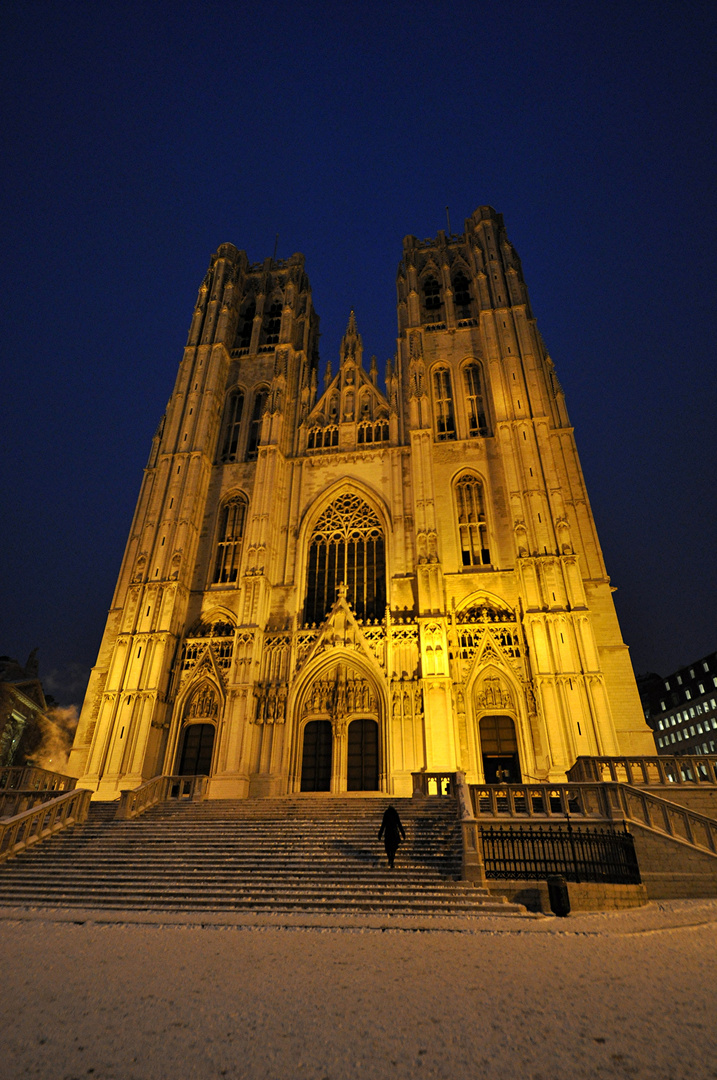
(204, 703)
(346, 546)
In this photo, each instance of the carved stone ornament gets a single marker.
(340, 692)
(271, 703)
(492, 694)
(406, 699)
(341, 630)
(204, 703)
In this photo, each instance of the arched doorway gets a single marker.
(499, 749)
(197, 749)
(316, 756)
(338, 735)
(362, 758)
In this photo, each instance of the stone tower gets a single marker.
(328, 592)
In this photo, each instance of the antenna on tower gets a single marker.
(448, 219)
(276, 244)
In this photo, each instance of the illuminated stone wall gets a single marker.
(453, 504)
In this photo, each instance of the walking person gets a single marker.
(392, 832)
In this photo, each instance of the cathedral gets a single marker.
(329, 586)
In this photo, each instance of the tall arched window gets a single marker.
(272, 323)
(471, 522)
(246, 325)
(229, 540)
(475, 401)
(255, 426)
(443, 403)
(431, 294)
(461, 294)
(347, 545)
(232, 424)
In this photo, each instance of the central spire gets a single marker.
(351, 343)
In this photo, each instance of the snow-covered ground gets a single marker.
(134, 996)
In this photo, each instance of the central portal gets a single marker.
(339, 739)
(362, 762)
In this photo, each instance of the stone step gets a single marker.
(254, 888)
(286, 812)
(115, 833)
(409, 879)
(286, 854)
(325, 851)
(156, 889)
(215, 844)
(276, 866)
(415, 876)
(239, 886)
(308, 869)
(379, 905)
(195, 884)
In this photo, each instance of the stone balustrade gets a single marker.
(433, 783)
(136, 801)
(644, 771)
(32, 826)
(17, 800)
(598, 802)
(645, 808)
(31, 778)
(540, 800)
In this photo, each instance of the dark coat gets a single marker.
(391, 829)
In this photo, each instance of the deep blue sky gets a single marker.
(139, 136)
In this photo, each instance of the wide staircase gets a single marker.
(292, 854)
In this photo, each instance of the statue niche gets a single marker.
(204, 702)
(339, 693)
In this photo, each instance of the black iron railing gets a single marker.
(577, 854)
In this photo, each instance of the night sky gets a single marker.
(139, 136)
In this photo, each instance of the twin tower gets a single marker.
(330, 587)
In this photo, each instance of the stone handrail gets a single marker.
(160, 788)
(639, 771)
(473, 868)
(40, 822)
(16, 801)
(644, 808)
(540, 800)
(433, 783)
(594, 802)
(31, 778)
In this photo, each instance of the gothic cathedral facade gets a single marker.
(329, 590)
